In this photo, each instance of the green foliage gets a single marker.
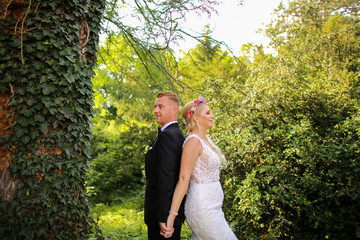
(118, 162)
(300, 169)
(292, 137)
(48, 64)
(208, 70)
(125, 220)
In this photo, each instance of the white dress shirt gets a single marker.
(166, 125)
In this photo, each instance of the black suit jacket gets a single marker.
(162, 169)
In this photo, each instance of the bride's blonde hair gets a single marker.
(191, 125)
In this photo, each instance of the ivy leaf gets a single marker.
(68, 151)
(15, 42)
(2, 51)
(71, 58)
(70, 78)
(44, 78)
(43, 46)
(38, 36)
(51, 62)
(29, 48)
(37, 65)
(56, 44)
(55, 124)
(34, 134)
(87, 152)
(69, 17)
(20, 132)
(74, 172)
(47, 102)
(25, 139)
(39, 118)
(44, 127)
(23, 121)
(47, 89)
(30, 101)
(58, 101)
(52, 110)
(63, 62)
(57, 184)
(27, 112)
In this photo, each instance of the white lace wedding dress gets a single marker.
(205, 198)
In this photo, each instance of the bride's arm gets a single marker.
(192, 150)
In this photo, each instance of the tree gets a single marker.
(48, 51)
(208, 70)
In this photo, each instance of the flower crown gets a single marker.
(195, 105)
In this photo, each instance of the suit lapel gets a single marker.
(152, 146)
(151, 149)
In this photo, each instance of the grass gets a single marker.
(125, 220)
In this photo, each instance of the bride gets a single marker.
(199, 178)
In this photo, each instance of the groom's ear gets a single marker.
(176, 109)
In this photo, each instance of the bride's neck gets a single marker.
(201, 134)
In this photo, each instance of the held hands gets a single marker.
(170, 223)
(165, 230)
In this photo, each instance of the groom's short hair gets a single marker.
(172, 96)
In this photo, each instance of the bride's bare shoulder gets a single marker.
(193, 146)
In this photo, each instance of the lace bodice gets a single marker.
(206, 169)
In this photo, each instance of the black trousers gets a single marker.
(154, 233)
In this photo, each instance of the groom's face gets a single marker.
(164, 110)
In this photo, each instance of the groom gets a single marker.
(162, 169)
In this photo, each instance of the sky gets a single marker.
(235, 24)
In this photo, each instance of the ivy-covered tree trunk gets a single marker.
(47, 55)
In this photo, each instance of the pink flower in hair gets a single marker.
(202, 99)
(195, 105)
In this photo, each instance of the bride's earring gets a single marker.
(197, 123)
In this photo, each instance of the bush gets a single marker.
(126, 220)
(118, 162)
(292, 136)
(295, 167)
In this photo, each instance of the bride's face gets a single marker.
(205, 117)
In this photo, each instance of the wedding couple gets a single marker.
(176, 167)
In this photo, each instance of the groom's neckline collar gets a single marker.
(166, 125)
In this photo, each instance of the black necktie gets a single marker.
(159, 131)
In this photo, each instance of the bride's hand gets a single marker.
(170, 221)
